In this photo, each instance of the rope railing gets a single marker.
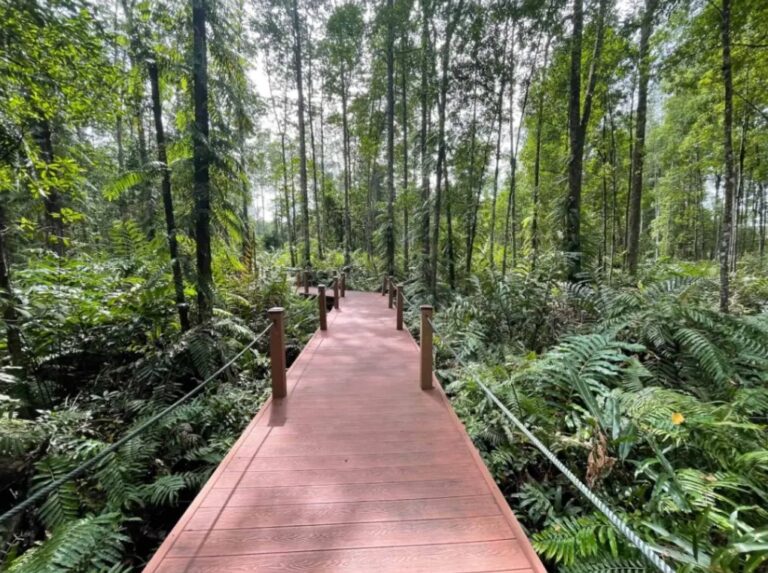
(102, 455)
(644, 548)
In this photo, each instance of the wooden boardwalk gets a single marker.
(358, 469)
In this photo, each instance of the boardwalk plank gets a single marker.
(345, 476)
(340, 536)
(344, 492)
(450, 558)
(343, 512)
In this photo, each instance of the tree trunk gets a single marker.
(404, 91)
(537, 167)
(52, 200)
(494, 196)
(615, 229)
(7, 297)
(165, 187)
(201, 162)
(578, 122)
(761, 218)
(449, 225)
(322, 155)
(453, 14)
(727, 224)
(471, 178)
(307, 255)
(638, 150)
(572, 246)
(604, 210)
(425, 113)
(345, 145)
(288, 219)
(390, 228)
(310, 113)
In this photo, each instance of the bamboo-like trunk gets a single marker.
(165, 192)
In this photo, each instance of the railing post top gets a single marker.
(275, 310)
(320, 287)
(427, 308)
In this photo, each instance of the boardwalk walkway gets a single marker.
(358, 469)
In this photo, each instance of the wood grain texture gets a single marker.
(342, 512)
(357, 469)
(448, 558)
(345, 476)
(340, 536)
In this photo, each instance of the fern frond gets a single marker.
(573, 538)
(607, 564)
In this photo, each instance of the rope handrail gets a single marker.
(645, 549)
(102, 455)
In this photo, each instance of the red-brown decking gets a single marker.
(356, 470)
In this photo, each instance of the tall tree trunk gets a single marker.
(471, 178)
(510, 225)
(404, 93)
(390, 228)
(604, 209)
(725, 240)
(310, 113)
(737, 236)
(52, 200)
(322, 154)
(631, 137)
(449, 225)
(537, 162)
(572, 245)
(287, 200)
(614, 200)
(638, 150)
(345, 145)
(201, 162)
(442, 104)
(7, 297)
(761, 219)
(165, 188)
(423, 143)
(307, 255)
(578, 122)
(494, 196)
(718, 220)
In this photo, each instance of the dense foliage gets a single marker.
(651, 395)
(579, 186)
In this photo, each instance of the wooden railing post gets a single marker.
(426, 347)
(298, 279)
(322, 307)
(277, 352)
(306, 281)
(400, 306)
(343, 284)
(391, 291)
(384, 286)
(336, 292)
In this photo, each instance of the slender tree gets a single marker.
(390, 228)
(297, 63)
(578, 121)
(727, 222)
(423, 143)
(638, 152)
(201, 161)
(165, 191)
